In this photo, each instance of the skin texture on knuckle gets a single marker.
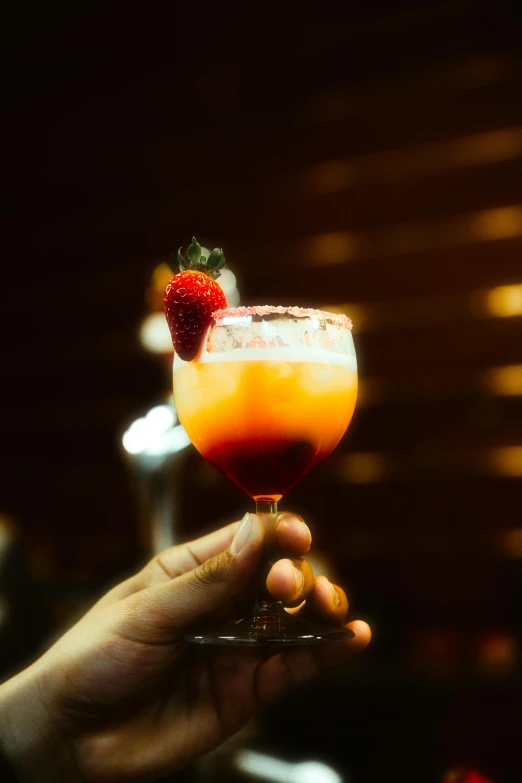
(213, 571)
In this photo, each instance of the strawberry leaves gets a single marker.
(216, 260)
(194, 252)
(197, 262)
(181, 261)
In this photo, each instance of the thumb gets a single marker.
(174, 605)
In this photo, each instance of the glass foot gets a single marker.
(277, 629)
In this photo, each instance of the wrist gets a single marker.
(30, 740)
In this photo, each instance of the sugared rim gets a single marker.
(297, 312)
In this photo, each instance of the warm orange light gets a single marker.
(158, 282)
(496, 651)
(500, 223)
(332, 176)
(485, 226)
(504, 301)
(161, 276)
(465, 775)
(341, 174)
(364, 468)
(503, 381)
(510, 542)
(331, 249)
(505, 461)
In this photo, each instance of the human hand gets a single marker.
(122, 697)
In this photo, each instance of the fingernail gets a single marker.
(299, 580)
(242, 535)
(286, 517)
(335, 595)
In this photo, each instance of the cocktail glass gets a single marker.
(267, 398)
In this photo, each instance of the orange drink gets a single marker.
(266, 411)
(264, 393)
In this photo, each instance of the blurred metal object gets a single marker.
(261, 766)
(154, 445)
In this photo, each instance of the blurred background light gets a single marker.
(479, 149)
(510, 543)
(500, 302)
(505, 461)
(261, 766)
(227, 281)
(476, 227)
(329, 249)
(466, 775)
(504, 301)
(155, 434)
(496, 651)
(135, 439)
(364, 468)
(425, 460)
(503, 381)
(499, 223)
(161, 274)
(155, 335)
(161, 417)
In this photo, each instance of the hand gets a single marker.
(122, 697)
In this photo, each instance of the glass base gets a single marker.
(277, 629)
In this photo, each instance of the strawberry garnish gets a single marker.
(191, 297)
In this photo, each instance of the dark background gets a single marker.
(367, 155)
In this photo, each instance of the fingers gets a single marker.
(290, 581)
(328, 602)
(362, 638)
(293, 534)
(180, 559)
(172, 563)
(163, 611)
(293, 537)
(292, 668)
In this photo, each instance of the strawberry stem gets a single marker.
(196, 262)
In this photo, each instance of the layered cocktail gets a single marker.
(269, 395)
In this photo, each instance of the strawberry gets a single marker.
(191, 297)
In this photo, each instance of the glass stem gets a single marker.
(264, 602)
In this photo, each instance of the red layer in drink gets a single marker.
(265, 468)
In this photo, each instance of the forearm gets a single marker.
(30, 742)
